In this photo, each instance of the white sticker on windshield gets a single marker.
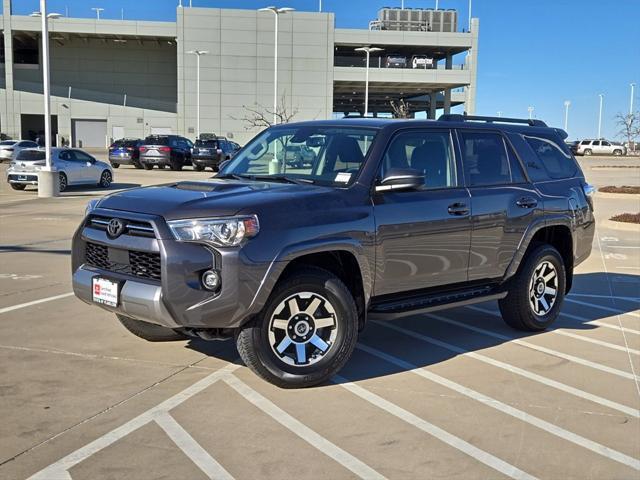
(343, 177)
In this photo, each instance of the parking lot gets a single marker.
(455, 394)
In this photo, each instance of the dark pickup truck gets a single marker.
(392, 218)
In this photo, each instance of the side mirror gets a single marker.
(401, 179)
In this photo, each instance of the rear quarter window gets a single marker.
(557, 161)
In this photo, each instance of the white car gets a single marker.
(600, 147)
(9, 148)
(421, 61)
(75, 167)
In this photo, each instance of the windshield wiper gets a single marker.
(235, 176)
(267, 178)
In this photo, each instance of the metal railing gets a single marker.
(380, 62)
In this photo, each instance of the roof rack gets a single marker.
(464, 118)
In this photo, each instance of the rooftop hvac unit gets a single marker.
(417, 19)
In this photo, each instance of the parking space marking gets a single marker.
(436, 432)
(34, 302)
(513, 369)
(507, 409)
(548, 351)
(611, 297)
(59, 470)
(316, 440)
(191, 448)
(602, 307)
(582, 338)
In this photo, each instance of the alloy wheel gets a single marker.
(302, 329)
(105, 179)
(543, 288)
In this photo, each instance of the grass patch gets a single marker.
(623, 189)
(627, 218)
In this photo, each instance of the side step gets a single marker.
(402, 307)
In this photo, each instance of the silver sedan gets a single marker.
(74, 167)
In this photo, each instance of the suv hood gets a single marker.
(212, 198)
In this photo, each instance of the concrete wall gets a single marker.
(238, 70)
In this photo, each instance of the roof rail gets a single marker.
(464, 118)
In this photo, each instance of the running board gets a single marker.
(401, 308)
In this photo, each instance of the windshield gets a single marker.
(312, 154)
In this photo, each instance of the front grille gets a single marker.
(141, 264)
(132, 227)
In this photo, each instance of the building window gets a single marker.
(25, 50)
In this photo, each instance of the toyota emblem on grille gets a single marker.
(115, 228)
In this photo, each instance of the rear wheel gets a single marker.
(105, 179)
(198, 168)
(147, 166)
(161, 166)
(306, 332)
(587, 152)
(137, 165)
(62, 182)
(617, 153)
(115, 165)
(150, 331)
(537, 291)
(18, 186)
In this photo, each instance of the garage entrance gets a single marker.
(32, 127)
(89, 133)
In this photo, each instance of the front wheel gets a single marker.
(198, 168)
(115, 165)
(306, 332)
(150, 331)
(537, 291)
(105, 179)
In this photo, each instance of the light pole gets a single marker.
(97, 10)
(567, 104)
(48, 182)
(276, 12)
(632, 85)
(469, 16)
(198, 54)
(530, 110)
(600, 116)
(367, 51)
(320, 6)
(499, 113)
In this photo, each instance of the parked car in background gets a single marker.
(395, 60)
(163, 150)
(125, 151)
(573, 146)
(235, 146)
(210, 152)
(600, 147)
(297, 156)
(9, 148)
(74, 167)
(422, 61)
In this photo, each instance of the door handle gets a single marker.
(527, 202)
(458, 209)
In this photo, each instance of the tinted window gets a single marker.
(81, 156)
(485, 158)
(153, 140)
(517, 176)
(556, 160)
(29, 155)
(585, 142)
(596, 143)
(429, 152)
(8, 142)
(606, 144)
(207, 143)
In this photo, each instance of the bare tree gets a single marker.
(400, 109)
(629, 127)
(259, 116)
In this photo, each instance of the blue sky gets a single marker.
(532, 52)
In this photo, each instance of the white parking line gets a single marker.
(549, 351)
(59, 470)
(513, 369)
(344, 458)
(582, 338)
(35, 302)
(507, 409)
(592, 295)
(602, 307)
(191, 448)
(436, 432)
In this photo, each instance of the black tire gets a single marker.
(62, 182)
(253, 339)
(18, 186)
(175, 165)
(105, 179)
(161, 166)
(137, 165)
(198, 168)
(150, 331)
(617, 153)
(587, 152)
(516, 308)
(147, 166)
(115, 165)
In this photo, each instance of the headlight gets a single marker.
(221, 232)
(91, 206)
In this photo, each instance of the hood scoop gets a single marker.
(197, 186)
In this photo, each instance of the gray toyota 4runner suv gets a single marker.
(392, 218)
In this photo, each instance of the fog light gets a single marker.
(211, 280)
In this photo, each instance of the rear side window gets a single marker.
(585, 142)
(557, 161)
(485, 159)
(30, 155)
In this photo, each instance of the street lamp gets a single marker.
(632, 85)
(97, 10)
(567, 104)
(367, 51)
(600, 116)
(276, 12)
(530, 110)
(198, 54)
(48, 183)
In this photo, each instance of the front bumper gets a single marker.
(178, 299)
